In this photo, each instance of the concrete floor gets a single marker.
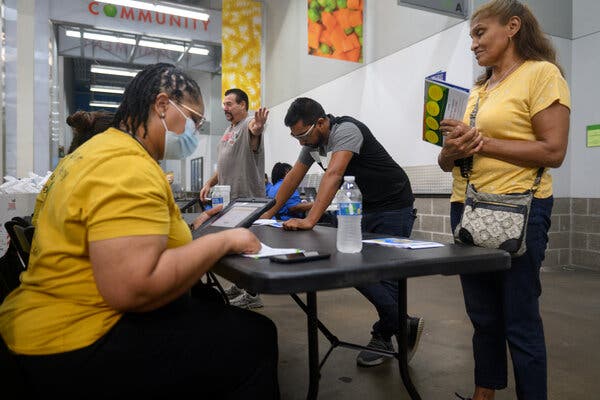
(443, 363)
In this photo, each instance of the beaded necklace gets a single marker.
(492, 83)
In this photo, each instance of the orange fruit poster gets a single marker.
(335, 29)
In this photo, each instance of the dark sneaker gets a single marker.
(369, 359)
(246, 300)
(233, 291)
(415, 329)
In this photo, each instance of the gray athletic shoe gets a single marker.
(246, 300)
(369, 359)
(233, 291)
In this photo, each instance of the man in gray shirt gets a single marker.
(240, 153)
(241, 165)
(387, 202)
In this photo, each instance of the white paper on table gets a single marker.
(404, 243)
(270, 222)
(266, 251)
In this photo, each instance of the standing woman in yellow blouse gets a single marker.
(103, 310)
(521, 124)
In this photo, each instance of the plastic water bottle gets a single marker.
(220, 195)
(349, 201)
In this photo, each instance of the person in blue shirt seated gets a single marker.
(294, 207)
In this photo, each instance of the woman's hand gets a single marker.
(460, 141)
(200, 219)
(241, 241)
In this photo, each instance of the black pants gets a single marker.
(384, 294)
(195, 346)
(504, 309)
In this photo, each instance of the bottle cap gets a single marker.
(226, 188)
(349, 178)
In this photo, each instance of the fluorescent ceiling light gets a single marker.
(101, 37)
(75, 34)
(199, 50)
(161, 45)
(183, 12)
(131, 41)
(104, 104)
(107, 89)
(96, 69)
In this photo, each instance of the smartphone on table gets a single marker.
(299, 257)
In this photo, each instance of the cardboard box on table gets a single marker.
(14, 205)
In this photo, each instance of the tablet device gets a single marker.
(239, 213)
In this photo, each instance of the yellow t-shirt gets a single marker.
(109, 187)
(505, 112)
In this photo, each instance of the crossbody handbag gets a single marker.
(495, 221)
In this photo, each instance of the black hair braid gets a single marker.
(141, 93)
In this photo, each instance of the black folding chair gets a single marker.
(11, 267)
(12, 263)
(190, 204)
(20, 233)
(211, 279)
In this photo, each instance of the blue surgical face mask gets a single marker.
(180, 146)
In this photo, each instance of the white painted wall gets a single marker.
(585, 17)
(41, 107)
(10, 87)
(290, 71)
(25, 87)
(387, 96)
(387, 93)
(26, 138)
(562, 176)
(585, 161)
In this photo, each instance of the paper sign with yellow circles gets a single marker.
(435, 105)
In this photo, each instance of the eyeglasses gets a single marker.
(196, 116)
(303, 135)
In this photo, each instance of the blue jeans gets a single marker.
(384, 294)
(504, 308)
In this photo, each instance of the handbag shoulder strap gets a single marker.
(538, 180)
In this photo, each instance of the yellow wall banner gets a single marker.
(241, 41)
(335, 29)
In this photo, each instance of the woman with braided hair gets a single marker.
(104, 310)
